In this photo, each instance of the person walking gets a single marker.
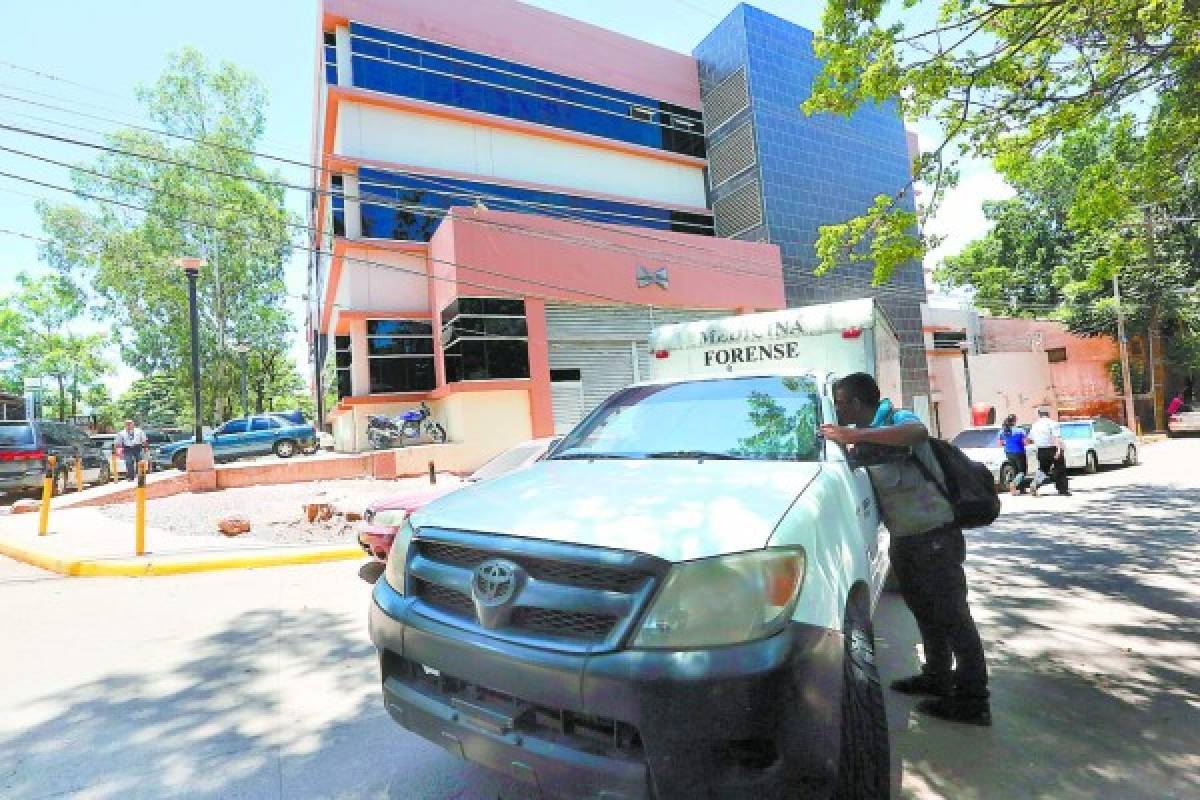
(927, 551)
(1052, 463)
(1014, 440)
(131, 445)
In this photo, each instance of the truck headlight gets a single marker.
(726, 600)
(398, 557)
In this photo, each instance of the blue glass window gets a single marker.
(338, 205)
(485, 338)
(405, 65)
(330, 54)
(393, 203)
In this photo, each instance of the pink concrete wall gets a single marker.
(526, 254)
(518, 32)
(1081, 381)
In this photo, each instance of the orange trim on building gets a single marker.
(541, 404)
(369, 97)
(364, 315)
(518, 384)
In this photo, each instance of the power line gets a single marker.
(319, 251)
(566, 215)
(383, 202)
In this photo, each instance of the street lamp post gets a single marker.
(242, 349)
(192, 266)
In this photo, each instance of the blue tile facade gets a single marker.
(813, 171)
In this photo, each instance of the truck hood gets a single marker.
(677, 510)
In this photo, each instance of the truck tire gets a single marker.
(863, 763)
(1091, 464)
(1131, 456)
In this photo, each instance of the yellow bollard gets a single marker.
(112, 472)
(47, 493)
(140, 513)
(79, 471)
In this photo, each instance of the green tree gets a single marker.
(1006, 80)
(204, 196)
(37, 339)
(1071, 227)
(154, 401)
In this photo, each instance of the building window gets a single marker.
(400, 355)
(408, 66)
(343, 357)
(338, 204)
(949, 340)
(330, 49)
(1056, 355)
(485, 338)
(393, 202)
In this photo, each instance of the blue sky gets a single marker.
(102, 51)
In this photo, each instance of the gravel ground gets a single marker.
(275, 512)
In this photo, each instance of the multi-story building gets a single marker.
(508, 200)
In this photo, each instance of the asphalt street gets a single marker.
(263, 684)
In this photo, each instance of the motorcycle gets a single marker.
(384, 432)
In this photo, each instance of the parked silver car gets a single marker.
(1183, 422)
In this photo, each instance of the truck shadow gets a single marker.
(1089, 615)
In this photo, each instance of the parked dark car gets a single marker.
(25, 444)
(297, 417)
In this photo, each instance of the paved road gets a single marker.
(262, 684)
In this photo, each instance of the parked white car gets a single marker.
(1183, 422)
(1093, 443)
(983, 444)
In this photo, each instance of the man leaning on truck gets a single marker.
(927, 550)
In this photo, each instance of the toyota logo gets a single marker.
(495, 582)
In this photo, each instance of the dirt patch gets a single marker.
(276, 513)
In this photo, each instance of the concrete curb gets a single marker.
(169, 564)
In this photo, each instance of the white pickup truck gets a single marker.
(676, 603)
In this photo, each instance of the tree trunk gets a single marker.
(62, 398)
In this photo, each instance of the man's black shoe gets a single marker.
(924, 684)
(964, 710)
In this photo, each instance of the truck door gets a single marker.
(875, 536)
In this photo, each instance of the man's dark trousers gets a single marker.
(133, 454)
(929, 568)
(1053, 468)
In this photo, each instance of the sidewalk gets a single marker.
(85, 542)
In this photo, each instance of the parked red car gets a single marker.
(383, 518)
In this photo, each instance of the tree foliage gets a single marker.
(1007, 80)
(203, 196)
(37, 339)
(1074, 224)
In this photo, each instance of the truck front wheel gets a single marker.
(863, 766)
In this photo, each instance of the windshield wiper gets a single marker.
(582, 455)
(702, 455)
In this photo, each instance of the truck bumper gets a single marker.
(758, 720)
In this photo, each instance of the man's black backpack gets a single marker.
(970, 487)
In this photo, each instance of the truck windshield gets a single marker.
(760, 418)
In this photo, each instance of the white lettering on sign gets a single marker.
(751, 354)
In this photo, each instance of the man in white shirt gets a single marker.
(1052, 464)
(131, 445)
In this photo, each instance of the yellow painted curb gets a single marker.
(167, 564)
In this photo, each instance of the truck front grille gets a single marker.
(574, 598)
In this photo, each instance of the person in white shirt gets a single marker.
(1052, 464)
(131, 445)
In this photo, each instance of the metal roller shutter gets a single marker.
(607, 344)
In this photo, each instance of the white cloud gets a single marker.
(960, 218)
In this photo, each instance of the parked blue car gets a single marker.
(246, 436)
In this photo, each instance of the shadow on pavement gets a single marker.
(1089, 615)
(220, 724)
